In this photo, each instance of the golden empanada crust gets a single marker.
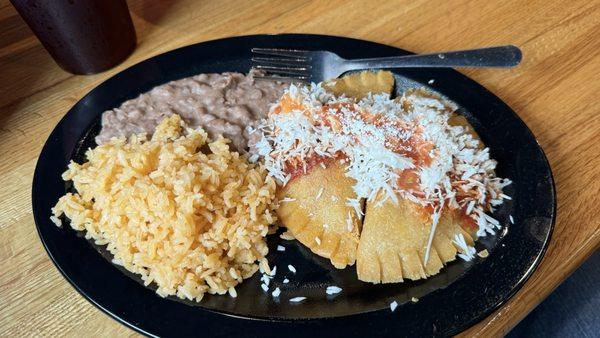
(316, 213)
(394, 240)
(360, 84)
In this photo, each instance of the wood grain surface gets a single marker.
(555, 91)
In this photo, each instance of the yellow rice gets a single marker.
(189, 221)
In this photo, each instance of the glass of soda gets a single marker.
(82, 36)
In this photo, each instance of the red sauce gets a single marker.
(301, 168)
(409, 180)
(287, 104)
(414, 147)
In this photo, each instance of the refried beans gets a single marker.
(222, 104)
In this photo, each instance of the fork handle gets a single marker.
(502, 56)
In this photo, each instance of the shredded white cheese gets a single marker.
(332, 290)
(467, 252)
(349, 223)
(320, 193)
(265, 279)
(276, 292)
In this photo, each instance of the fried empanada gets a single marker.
(393, 242)
(315, 206)
(394, 237)
(314, 210)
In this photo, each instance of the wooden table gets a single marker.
(555, 90)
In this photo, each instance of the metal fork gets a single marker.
(316, 66)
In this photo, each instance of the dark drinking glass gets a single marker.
(83, 36)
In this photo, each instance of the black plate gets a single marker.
(461, 295)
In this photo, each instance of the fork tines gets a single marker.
(287, 65)
(292, 53)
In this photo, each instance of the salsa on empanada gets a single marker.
(414, 169)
